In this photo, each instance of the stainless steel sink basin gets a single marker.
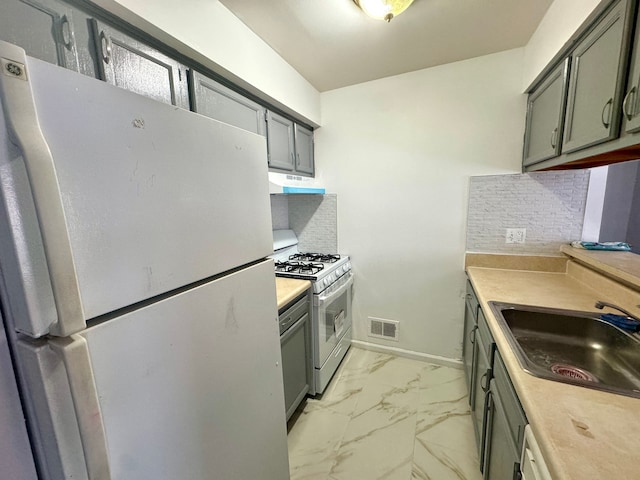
(572, 347)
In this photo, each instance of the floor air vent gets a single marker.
(381, 328)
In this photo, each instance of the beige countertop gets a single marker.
(287, 289)
(583, 433)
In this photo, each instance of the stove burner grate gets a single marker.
(316, 257)
(305, 268)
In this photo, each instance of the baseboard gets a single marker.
(401, 352)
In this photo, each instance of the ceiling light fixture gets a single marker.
(383, 9)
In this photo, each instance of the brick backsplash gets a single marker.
(550, 205)
(280, 212)
(314, 219)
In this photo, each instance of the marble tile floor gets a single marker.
(385, 417)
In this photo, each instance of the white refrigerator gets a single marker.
(138, 303)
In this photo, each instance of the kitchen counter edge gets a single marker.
(288, 289)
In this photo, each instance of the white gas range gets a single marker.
(332, 282)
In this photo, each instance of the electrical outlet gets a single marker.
(516, 235)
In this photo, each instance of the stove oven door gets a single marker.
(331, 317)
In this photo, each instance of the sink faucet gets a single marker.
(600, 305)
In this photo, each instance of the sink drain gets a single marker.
(573, 372)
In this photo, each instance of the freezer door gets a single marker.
(190, 387)
(132, 198)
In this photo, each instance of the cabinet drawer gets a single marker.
(516, 418)
(290, 314)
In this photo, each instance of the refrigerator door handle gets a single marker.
(24, 130)
(75, 354)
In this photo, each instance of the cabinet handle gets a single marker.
(553, 137)
(105, 46)
(473, 335)
(293, 160)
(482, 380)
(517, 474)
(607, 122)
(298, 159)
(627, 101)
(66, 32)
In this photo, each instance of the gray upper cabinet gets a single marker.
(290, 146)
(545, 117)
(631, 103)
(214, 100)
(280, 142)
(133, 65)
(598, 66)
(44, 28)
(304, 150)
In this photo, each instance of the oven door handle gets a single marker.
(330, 296)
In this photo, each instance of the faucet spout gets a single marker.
(601, 304)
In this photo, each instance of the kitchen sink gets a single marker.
(571, 347)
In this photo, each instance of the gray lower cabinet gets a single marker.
(44, 28)
(598, 66)
(505, 424)
(497, 416)
(131, 64)
(470, 327)
(481, 376)
(214, 100)
(295, 343)
(545, 117)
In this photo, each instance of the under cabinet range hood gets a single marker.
(291, 184)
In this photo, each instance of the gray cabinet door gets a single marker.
(598, 66)
(43, 28)
(468, 351)
(304, 150)
(501, 455)
(545, 117)
(134, 66)
(214, 100)
(631, 103)
(280, 142)
(295, 364)
(481, 378)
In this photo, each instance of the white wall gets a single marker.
(208, 32)
(595, 204)
(560, 22)
(399, 152)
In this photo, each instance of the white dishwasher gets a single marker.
(532, 463)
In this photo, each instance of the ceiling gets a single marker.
(333, 44)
